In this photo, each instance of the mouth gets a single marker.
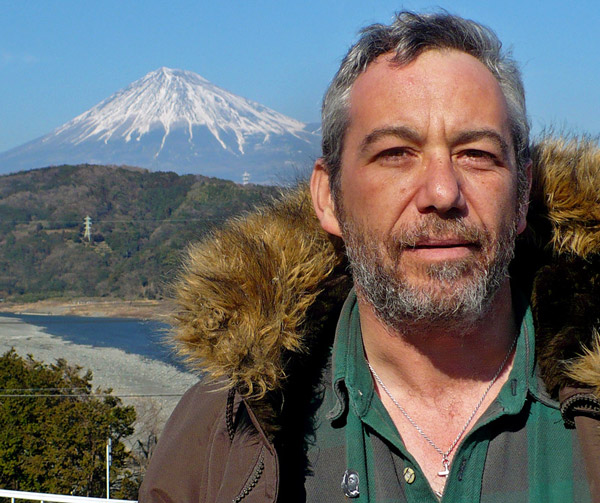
(443, 249)
(444, 243)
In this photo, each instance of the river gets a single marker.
(141, 337)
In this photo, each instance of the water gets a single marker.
(142, 337)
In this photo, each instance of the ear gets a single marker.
(323, 199)
(522, 224)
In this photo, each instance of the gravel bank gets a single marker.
(126, 374)
(140, 309)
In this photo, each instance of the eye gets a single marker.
(478, 158)
(479, 154)
(395, 155)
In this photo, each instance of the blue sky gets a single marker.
(58, 58)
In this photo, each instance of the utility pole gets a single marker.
(87, 230)
(108, 461)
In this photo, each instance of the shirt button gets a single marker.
(409, 475)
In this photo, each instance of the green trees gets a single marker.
(141, 222)
(54, 429)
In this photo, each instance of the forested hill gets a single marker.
(141, 222)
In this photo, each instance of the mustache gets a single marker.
(434, 227)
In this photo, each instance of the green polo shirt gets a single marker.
(518, 451)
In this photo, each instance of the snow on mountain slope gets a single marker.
(170, 98)
(176, 120)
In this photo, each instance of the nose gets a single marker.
(440, 187)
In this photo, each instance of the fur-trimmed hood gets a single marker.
(257, 295)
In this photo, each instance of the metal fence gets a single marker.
(22, 495)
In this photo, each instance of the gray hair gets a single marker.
(409, 36)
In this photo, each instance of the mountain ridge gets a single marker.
(141, 224)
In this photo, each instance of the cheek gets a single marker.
(492, 200)
(376, 199)
(497, 210)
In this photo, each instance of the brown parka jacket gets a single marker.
(258, 303)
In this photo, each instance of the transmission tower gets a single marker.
(87, 228)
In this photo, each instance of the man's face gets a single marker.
(427, 204)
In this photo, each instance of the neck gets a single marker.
(428, 358)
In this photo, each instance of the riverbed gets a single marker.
(152, 386)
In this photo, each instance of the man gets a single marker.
(429, 391)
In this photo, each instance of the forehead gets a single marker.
(445, 88)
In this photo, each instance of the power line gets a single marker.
(131, 220)
(9, 391)
(3, 390)
(91, 395)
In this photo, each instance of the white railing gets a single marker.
(22, 495)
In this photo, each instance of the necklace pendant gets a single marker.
(446, 471)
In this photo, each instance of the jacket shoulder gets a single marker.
(180, 458)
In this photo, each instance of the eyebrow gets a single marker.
(479, 134)
(403, 132)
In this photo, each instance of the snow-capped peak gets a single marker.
(165, 99)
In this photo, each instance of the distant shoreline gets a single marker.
(159, 310)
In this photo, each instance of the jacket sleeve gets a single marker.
(580, 409)
(200, 458)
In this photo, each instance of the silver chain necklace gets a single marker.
(445, 455)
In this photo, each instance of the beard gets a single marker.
(446, 294)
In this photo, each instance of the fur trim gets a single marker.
(566, 311)
(565, 216)
(566, 175)
(245, 291)
(586, 368)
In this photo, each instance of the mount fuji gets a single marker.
(175, 120)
